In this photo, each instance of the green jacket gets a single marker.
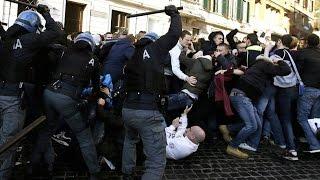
(201, 68)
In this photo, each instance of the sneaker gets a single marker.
(62, 136)
(266, 140)
(313, 151)
(283, 146)
(107, 162)
(247, 147)
(59, 141)
(236, 152)
(225, 133)
(291, 155)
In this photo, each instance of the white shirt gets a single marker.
(175, 62)
(178, 145)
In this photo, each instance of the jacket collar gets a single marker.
(254, 48)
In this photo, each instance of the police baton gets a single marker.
(19, 136)
(148, 13)
(23, 3)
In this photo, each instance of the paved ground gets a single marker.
(210, 162)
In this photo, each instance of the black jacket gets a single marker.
(2, 33)
(20, 48)
(145, 70)
(230, 39)
(254, 81)
(78, 68)
(309, 63)
(250, 56)
(208, 47)
(225, 62)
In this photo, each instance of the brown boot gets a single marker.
(236, 152)
(225, 133)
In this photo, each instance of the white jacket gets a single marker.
(178, 145)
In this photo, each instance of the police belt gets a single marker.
(67, 89)
(142, 100)
(10, 89)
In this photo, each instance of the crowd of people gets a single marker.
(114, 90)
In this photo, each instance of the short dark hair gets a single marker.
(313, 40)
(286, 40)
(225, 45)
(184, 33)
(253, 38)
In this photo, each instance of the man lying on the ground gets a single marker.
(183, 141)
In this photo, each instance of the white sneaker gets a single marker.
(291, 155)
(283, 146)
(60, 141)
(62, 136)
(247, 147)
(314, 151)
(293, 152)
(109, 163)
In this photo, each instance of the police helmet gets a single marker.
(87, 37)
(152, 36)
(29, 20)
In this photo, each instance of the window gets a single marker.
(248, 12)
(74, 17)
(195, 31)
(215, 5)
(240, 10)
(305, 3)
(206, 4)
(225, 8)
(22, 7)
(312, 5)
(118, 21)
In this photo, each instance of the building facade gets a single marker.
(198, 16)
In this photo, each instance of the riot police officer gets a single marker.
(145, 84)
(62, 98)
(21, 43)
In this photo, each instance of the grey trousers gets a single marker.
(57, 105)
(12, 121)
(149, 126)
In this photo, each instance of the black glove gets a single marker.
(42, 9)
(171, 10)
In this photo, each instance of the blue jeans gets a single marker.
(179, 101)
(56, 106)
(266, 108)
(315, 112)
(286, 98)
(12, 120)
(149, 126)
(252, 124)
(266, 129)
(305, 103)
